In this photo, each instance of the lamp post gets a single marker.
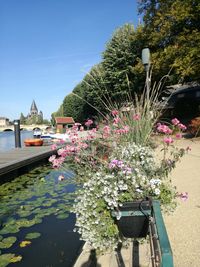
(146, 63)
(17, 133)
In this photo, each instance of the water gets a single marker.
(38, 202)
(7, 139)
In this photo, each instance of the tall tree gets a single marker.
(122, 54)
(22, 119)
(172, 31)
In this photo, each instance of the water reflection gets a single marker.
(7, 139)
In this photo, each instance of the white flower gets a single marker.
(157, 191)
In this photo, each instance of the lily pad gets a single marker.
(5, 259)
(9, 229)
(7, 242)
(62, 216)
(32, 235)
(24, 243)
(16, 258)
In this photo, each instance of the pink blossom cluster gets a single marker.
(162, 128)
(114, 112)
(88, 122)
(177, 123)
(136, 117)
(116, 121)
(56, 162)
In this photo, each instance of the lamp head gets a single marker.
(145, 56)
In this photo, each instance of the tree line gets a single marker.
(171, 30)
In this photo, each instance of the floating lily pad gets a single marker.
(27, 223)
(62, 216)
(7, 242)
(9, 229)
(16, 259)
(32, 235)
(25, 243)
(1, 237)
(5, 259)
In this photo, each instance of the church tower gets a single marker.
(34, 110)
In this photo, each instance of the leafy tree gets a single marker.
(22, 119)
(120, 58)
(171, 30)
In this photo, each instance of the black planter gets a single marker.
(132, 218)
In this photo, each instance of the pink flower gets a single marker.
(114, 112)
(182, 126)
(53, 147)
(175, 121)
(106, 129)
(116, 120)
(52, 158)
(81, 128)
(179, 135)
(183, 196)
(168, 140)
(162, 128)
(88, 123)
(126, 129)
(136, 117)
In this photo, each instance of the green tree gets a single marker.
(172, 31)
(120, 59)
(22, 119)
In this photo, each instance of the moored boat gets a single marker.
(33, 142)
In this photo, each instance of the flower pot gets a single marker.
(132, 218)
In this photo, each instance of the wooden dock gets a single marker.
(20, 157)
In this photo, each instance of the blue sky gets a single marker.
(47, 46)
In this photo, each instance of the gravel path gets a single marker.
(183, 226)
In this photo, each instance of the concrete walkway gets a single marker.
(183, 226)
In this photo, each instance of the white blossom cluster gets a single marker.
(106, 189)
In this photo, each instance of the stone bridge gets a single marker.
(25, 127)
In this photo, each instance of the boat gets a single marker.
(37, 133)
(33, 142)
(55, 137)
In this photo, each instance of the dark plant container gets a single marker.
(133, 218)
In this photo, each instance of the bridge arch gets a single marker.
(8, 130)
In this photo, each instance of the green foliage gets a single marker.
(119, 58)
(22, 119)
(171, 29)
(73, 106)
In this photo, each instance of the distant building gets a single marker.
(34, 111)
(63, 122)
(4, 121)
(34, 115)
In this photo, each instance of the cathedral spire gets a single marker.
(34, 109)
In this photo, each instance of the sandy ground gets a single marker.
(183, 226)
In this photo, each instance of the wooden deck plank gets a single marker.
(21, 157)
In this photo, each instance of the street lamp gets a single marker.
(146, 63)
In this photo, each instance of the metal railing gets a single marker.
(161, 253)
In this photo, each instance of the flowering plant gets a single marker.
(128, 158)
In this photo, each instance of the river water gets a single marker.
(7, 139)
(37, 202)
